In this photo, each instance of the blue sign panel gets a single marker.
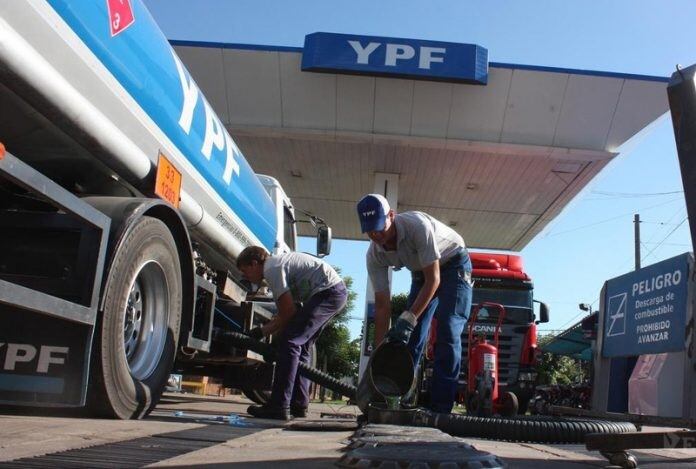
(138, 55)
(645, 311)
(405, 58)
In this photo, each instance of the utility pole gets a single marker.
(636, 236)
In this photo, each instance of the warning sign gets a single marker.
(645, 311)
(120, 15)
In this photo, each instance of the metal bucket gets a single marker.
(389, 376)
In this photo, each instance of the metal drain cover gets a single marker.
(359, 442)
(396, 430)
(440, 455)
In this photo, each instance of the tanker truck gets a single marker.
(124, 202)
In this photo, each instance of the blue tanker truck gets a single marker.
(123, 205)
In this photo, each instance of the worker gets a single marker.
(292, 277)
(441, 286)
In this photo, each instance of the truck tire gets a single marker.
(138, 329)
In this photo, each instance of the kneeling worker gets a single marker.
(440, 286)
(292, 277)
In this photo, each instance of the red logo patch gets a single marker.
(120, 15)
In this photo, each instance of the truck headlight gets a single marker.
(527, 376)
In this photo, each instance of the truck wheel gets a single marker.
(508, 404)
(137, 331)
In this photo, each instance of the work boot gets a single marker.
(298, 412)
(268, 412)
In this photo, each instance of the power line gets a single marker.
(665, 238)
(610, 219)
(628, 195)
(672, 244)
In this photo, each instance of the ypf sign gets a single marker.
(397, 57)
(120, 15)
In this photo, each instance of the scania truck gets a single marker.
(124, 202)
(500, 278)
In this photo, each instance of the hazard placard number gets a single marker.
(168, 181)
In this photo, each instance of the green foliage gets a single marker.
(334, 347)
(558, 369)
(398, 304)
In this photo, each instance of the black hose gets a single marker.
(532, 429)
(269, 354)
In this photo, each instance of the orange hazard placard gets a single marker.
(168, 181)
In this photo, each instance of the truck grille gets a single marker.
(509, 352)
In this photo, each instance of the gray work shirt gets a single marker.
(300, 274)
(420, 241)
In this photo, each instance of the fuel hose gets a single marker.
(269, 354)
(530, 428)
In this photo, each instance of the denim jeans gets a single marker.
(450, 306)
(303, 329)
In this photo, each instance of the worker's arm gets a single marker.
(404, 326)
(286, 310)
(431, 275)
(382, 314)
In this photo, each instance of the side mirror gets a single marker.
(323, 240)
(543, 312)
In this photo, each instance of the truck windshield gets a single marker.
(517, 303)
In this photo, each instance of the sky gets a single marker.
(592, 240)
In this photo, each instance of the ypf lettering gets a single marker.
(215, 133)
(25, 353)
(399, 52)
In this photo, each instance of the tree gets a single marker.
(557, 369)
(334, 347)
(398, 304)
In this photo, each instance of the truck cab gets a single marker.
(500, 278)
(286, 235)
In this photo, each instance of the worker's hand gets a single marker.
(402, 329)
(256, 333)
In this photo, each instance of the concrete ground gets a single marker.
(194, 431)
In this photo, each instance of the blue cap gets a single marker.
(372, 211)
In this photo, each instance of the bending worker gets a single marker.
(440, 286)
(292, 277)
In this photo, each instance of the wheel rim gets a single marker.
(146, 320)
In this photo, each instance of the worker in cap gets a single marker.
(441, 287)
(292, 277)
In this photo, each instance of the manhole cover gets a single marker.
(440, 455)
(323, 425)
(359, 442)
(395, 430)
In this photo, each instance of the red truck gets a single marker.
(500, 278)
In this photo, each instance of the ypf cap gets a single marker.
(372, 211)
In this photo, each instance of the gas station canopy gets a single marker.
(494, 150)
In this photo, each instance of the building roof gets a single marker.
(496, 162)
(571, 342)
